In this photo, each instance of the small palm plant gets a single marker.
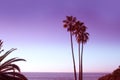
(9, 70)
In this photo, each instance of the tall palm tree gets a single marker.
(9, 70)
(81, 37)
(84, 40)
(69, 24)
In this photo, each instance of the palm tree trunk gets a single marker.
(74, 66)
(79, 59)
(81, 75)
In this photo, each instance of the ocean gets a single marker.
(60, 76)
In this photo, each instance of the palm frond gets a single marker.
(1, 42)
(1, 51)
(8, 62)
(8, 70)
(9, 67)
(12, 76)
(6, 54)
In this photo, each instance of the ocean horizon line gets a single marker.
(59, 72)
(61, 75)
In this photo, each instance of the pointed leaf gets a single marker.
(6, 54)
(16, 75)
(12, 60)
(9, 67)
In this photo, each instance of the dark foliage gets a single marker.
(9, 70)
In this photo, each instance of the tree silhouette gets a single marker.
(81, 37)
(69, 24)
(9, 70)
(78, 29)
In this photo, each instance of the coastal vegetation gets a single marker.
(78, 29)
(8, 69)
(115, 75)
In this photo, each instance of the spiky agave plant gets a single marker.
(9, 70)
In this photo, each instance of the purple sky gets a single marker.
(35, 27)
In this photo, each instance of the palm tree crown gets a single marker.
(80, 32)
(69, 23)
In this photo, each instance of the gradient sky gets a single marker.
(35, 28)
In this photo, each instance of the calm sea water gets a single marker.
(60, 76)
